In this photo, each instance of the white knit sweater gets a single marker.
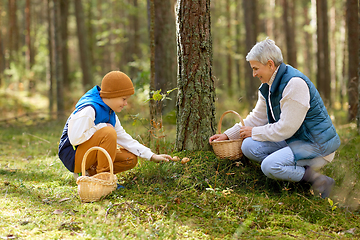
(294, 105)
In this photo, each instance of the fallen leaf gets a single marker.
(64, 199)
(351, 231)
(58, 211)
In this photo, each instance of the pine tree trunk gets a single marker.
(2, 49)
(323, 56)
(353, 45)
(83, 46)
(251, 19)
(288, 17)
(64, 10)
(58, 61)
(229, 50)
(196, 96)
(51, 60)
(165, 51)
(358, 112)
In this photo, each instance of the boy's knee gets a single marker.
(132, 160)
(107, 132)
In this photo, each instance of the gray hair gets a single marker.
(264, 51)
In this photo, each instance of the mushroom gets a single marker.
(185, 160)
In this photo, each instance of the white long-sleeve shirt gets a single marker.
(294, 104)
(81, 127)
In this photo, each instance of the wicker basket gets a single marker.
(230, 149)
(93, 188)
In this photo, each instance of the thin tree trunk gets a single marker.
(229, 50)
(353, 46)
(51, 62)
(13, 31)
(83, 46)
(64, 10)
(196, 96)
(358, 112)
(238, 43)
(323, 57)
(251, 19)
(308, 66)
(58, 60)
(151, 6)
(165, 51)
(2, 49)
(289, 7)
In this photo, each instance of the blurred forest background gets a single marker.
(51, 52)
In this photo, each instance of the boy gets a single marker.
(94, 123)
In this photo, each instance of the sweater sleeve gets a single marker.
(257, 117)
(82, 127)
(294, 105)
(130, 144)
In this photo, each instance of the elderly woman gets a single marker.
(289, 131)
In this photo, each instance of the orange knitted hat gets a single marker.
(116, 84)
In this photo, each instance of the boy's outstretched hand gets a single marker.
(160, 158)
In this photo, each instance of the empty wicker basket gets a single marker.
(93, 188)
(228, 149)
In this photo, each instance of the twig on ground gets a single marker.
(37, 137)
(322, 234)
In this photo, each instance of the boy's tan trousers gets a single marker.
(96, 161)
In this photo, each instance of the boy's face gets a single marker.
(261, 71)
(116, 104)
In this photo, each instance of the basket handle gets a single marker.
(107, 156)
(223, 115)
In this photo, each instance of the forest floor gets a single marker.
(206, 198)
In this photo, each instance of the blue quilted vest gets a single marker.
(317, 135)
(103, 114)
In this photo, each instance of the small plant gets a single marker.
(156, 124)
(332, 204)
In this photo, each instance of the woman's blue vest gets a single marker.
(317, 135)
(103, 114)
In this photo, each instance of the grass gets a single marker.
(207, 198)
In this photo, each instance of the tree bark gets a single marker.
(251, 22)
(13, 44)
(64, 10)
(165, 51)
(229, 50)
(2, 49)
(289, 7)
(154, 111)
(83, 46)
(323, 56)
(353, 46)
(358, 112)
(51, 62)
(58, 60)
(196, 96)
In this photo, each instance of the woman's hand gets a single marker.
(218, 137)
(245, 132)
(160, 158)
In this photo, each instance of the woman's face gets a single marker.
(261, 71)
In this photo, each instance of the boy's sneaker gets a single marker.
(76, 175)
